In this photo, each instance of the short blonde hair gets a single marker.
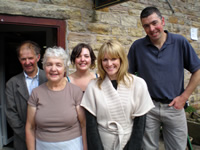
(115, 50)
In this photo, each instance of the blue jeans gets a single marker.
(174, 128)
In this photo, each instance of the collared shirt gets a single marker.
(32, 82)
(163, 69)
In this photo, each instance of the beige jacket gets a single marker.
(116, 109)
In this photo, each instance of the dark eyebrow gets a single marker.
(153, 22)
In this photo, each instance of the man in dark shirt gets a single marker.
(160, 59)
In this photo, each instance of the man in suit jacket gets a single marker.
(18, 89)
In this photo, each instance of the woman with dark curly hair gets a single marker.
(83, 58)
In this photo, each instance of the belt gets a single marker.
(163, 101)
(118, 131)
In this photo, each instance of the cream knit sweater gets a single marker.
(116, 109)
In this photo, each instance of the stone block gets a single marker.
(30, 0)
(118, 31)
(34, 9)
(135, 32)
(173, 19)
(76, 26)
(102, 38)
(71, 45)
(74, 14)
(134, 12)
(119, 8)
(125, 41)
(96, 47)
(196, 24)
(106, 9)
(83, 4)
(88, 16)
(80, 37)
(55, 2)
(110, 18)
(127, 20)
(99, 28)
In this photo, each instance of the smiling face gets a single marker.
(111, 66)
(54, 69)
(153, 26)
(83, 61)
(28, 60)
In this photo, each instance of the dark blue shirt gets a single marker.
(163, 70)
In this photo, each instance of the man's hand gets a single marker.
(178, 102)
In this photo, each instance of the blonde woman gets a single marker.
(113, 101)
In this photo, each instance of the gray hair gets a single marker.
(55, 51)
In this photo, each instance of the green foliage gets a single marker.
(190, 109)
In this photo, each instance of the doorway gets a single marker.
(45, 32)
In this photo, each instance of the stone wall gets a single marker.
(121, 21)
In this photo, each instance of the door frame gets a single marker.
(59, 25)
